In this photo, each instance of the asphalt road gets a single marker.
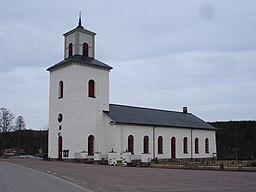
(17, 178)
(103, 178)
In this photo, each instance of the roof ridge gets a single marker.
(148, 108)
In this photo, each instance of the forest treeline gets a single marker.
(235, 140)
(29, 142)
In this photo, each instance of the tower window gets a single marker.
(91, 88)
(61, 89)
(70, 49)
(85, 50)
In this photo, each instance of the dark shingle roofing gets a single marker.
(80, 29)
(154, 117)
(81, 60)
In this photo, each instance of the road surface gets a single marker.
(103, 178)
(17, 178)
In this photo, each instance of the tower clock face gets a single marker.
(60, 117)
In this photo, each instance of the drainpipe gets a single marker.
(191, 144)
(154, 130)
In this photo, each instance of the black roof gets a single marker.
(79, 28)
(155, 117)
(81, 60)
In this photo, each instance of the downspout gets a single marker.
(154, 130)
(97, 112)
(191, 137)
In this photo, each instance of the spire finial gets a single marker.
(80, 20)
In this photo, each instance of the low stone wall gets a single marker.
(206, 164)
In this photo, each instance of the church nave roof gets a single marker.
(145, 116)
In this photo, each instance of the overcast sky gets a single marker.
(166, 54)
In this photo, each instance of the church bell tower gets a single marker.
(79, 93)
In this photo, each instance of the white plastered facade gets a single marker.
(117, 137)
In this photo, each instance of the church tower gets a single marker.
(79, 93)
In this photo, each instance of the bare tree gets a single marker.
(6, 120)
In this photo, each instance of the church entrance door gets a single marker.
(90, 145)
(173, 148)
(60, 149)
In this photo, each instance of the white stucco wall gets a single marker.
(117, 138)
(81, 114)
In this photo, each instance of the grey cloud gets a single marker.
(198, 53)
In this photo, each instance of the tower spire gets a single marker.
(80, 20)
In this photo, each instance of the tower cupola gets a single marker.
(79, 41)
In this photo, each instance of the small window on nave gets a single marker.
(160, 145)
(130, 144)
(196, 145)
(146, 144)
(185, 145)
(173, 147)
(206, 145)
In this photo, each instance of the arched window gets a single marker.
(85, 50)
(91, 145)
(130, 144)
(185, 145)
(145, 144)
(91, 88)
(160, 145)
(61, 89)
(206, 145)
(196, 145)
(70, 49)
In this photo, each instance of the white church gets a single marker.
(83, 124)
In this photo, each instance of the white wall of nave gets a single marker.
(118, 140)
